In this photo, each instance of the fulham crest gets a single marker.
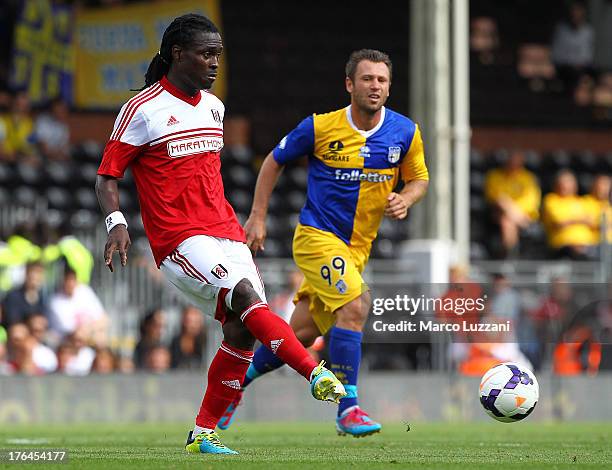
(219, 271)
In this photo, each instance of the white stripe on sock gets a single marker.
(229, 351)
(251, 308)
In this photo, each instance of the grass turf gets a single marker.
(308, 445)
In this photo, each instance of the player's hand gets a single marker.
(118, 240)
(397, 206)
(255, 229)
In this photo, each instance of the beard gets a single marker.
(364, 105)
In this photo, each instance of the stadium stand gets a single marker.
(507, 54)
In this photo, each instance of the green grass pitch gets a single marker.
(308, 445)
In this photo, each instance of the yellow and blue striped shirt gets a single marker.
(351, 172)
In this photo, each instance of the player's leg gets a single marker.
(226, 373)
(305, 330)
(232, 358)
(332, 270)
(247, 298)
(345, 357)
(273, 332)
(264, 360)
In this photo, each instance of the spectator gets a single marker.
(19, 250)
(80, 361)
(52, 132)
(505, 301)
(151, 332)
(484, 39)
(38, 324)
(552, 313)
(573, 46)
(157, 359)
(125, 365)
(71, 250)
(598, 207)
(20, 350)
(514, 195)
(602, 94)
(76, 306)
(66, 353)
(535, 66)
(187, 347)
(16, 132)
(460, 288)
(43, 356)
(584, 91)
(28, 299)
(4, 365)
(577, 352)
(104, 362)
(557, 304)
(568, 226)
(488, 348)
(237, 145)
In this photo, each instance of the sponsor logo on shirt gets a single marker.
(336, 158)
(193, 145)
(336, 145)
(358, 175)
(333, 155)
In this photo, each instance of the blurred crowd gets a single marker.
(575, 225)
(29, 139)
(66, 332)
(52, 321)
(565, 327)
(564, 65)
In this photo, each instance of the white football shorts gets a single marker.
(202, 267)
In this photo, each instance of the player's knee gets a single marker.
(243, 296)
(353, 315)
(236, 334)
(307, 336)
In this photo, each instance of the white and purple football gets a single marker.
(509, 392)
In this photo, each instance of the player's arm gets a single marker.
(255, 226)
(416, 180)
(299, 142)
(399, 203)
(118, 236)
(129, 134)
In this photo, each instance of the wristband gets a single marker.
(115, 218)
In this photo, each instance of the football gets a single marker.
(509, 392)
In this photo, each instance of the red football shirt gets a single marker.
(172, 142)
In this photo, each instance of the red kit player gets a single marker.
(171, 135)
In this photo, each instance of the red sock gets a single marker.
(277, 335)
(225, 375)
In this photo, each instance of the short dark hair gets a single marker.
(366, 54)
(180, 32)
